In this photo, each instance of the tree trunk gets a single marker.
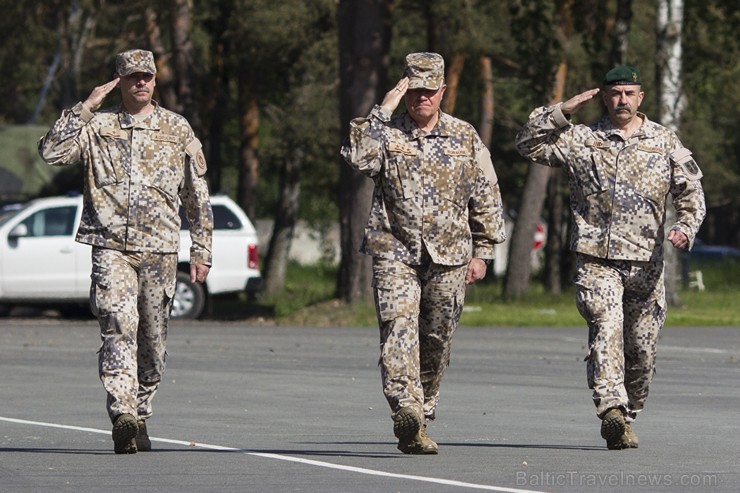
(218, 118)
(246, 193)
(556, 246)
(516, 282)
(364, 43)
(165, 76)
(454, 72)
(182, 44)
(75, 31)
(218, 102)
(670, 108)
(519, 268)
(276, 262)
(81, 25)
(486, 101)
(620, 33)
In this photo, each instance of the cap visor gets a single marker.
(133, 70)
(421, 84)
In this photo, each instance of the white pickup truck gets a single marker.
(42, 264)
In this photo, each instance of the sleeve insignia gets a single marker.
(682, 158)
(194, 149)
(200, 163)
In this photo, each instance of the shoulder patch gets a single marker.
(195, 150)
(200, 164)
(682, 157)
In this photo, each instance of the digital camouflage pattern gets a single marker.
(136, 171)
(436, 205)
(434, 192)
(618, 193)
(131, 294)
(624, 304)
(133, 61)
(618, 189)
(418, 310)
(425, 71)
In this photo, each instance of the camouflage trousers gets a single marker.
(418, 309)
(623, 303)
(131, 294)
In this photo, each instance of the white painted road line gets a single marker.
(310, 462)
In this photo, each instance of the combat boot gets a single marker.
(143, 444)
(612, 428)
(629, 439)
(406, 425)
(124, 433)
(428, 446)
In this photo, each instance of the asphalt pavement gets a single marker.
(300, 409)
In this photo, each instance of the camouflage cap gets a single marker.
(425, 70)
(132, 61)
(622, 75)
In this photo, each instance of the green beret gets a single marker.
(622, 75)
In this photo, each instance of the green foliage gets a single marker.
(710, 120)
(288, 51)
(304, 287)
(19, 157)
(28, 39)
(308, 300)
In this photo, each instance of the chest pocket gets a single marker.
(113, 153)
(654, 172)
(457, 178)
(398, 177)
(164, 158)
(589, 167)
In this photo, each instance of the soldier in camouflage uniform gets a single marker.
(140, 161)
(436, 215)
(621, 171)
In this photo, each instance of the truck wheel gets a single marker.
(190, 298)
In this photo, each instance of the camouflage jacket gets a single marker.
(434, 193)
(618, 188)
(135, 172)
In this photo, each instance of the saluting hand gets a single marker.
(578, 101)
(393, 97)
(96, 97)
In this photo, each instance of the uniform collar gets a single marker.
(151, 121)
(606, 126)
(441, 129)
